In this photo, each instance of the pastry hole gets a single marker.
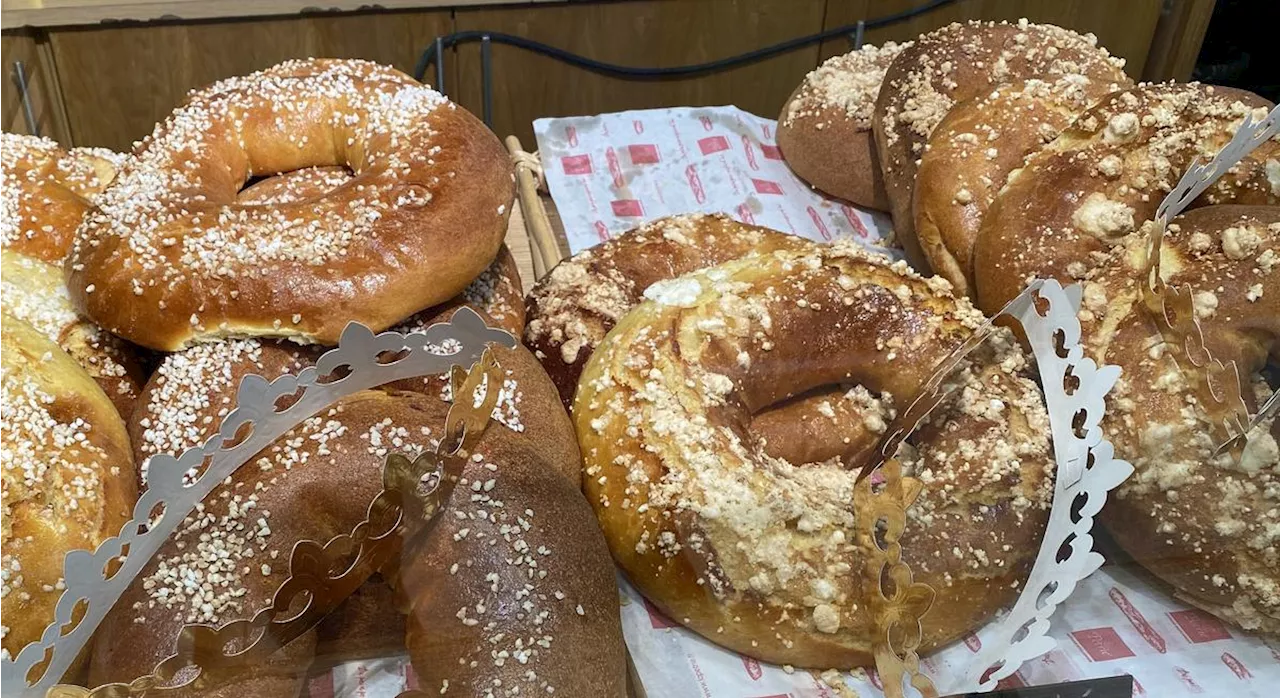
(1070, 381)
(154, 517)
(337, 374)
(1078, 421)
(192, 476)
(115, 564)
(1077, 505)
(284, 402)
(242, 434)
(1064, 550)
(1060, 343)
(1042, 599)
(37, 671)
(1040, 303)
(388, 357)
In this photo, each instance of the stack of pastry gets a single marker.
(1010, 152)
(240, 237)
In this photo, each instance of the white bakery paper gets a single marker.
(612, 172)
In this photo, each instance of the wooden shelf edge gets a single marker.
(51, 13)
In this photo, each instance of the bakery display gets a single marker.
(824, 129)
(169, 258)
(46, 191)
(67, 474)
(759, 554)
(1204, 523)
(1104, 176)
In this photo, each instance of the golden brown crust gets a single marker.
(68, 479)
(318, 480)
(972, 151)
(1104, 176)
(572, 308)
(824, 130)
(45, 192)
(759, 554)
(170, 258)
(34, 292)
(955, 63)
(1208, 526)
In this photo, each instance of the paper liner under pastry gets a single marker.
(321, 575)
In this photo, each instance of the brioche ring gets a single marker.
(170, 258)
(1207, 525)
(574, 306)
(34, 292)
(497, 291)
(973, 150)
(1105, 175)
(824, 130)
(955, 63)
(45, 192)
(68, 480)
(517, 547)
(761, 555)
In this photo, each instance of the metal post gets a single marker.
(20, 77)
(440, 65)
(486, 80)
(857, 34)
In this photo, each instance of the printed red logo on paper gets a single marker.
(638, 126)
(695, 183)
(766, 130)
(643, 154)
(1185, 677)
(1138, 621)
(972, 642)
(1236, 667)
(750, 153)
(713, 144)
(764, 186)
(627, 208)
(615, 169)
(706, 122)
(1101, 644)
(1198, 626)
(602, 231)
(753, 668)
(771, 152)
(571, 135)
(576, 164)
(818, 223)
(1013, 680)
(745, 215)
(854, 221)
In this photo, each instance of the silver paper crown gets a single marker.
(1075, 389)
(362, 360)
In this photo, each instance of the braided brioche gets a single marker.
(955, 63)
(759, 554)
(1206, 525)
(1104, 176)
(973, 150)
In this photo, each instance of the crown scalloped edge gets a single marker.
(435, 350)
(1022, 634)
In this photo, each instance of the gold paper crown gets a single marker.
(320, 575)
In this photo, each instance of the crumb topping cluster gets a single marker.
(849, 83)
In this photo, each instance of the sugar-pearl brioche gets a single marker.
(170, 257)
(33, 291)
(68, 475)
